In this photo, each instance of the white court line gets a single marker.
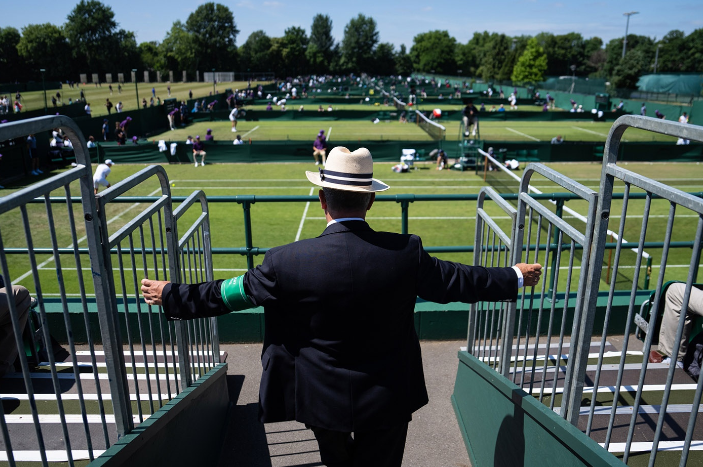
(250, 131)
(648, 409)
(628, 388)
(51, 456)
(590, 131)
(521, 134)
(74, 397)
(80, 240)
(553, 358)
(305, 213)
(647, 447)
(329, 132)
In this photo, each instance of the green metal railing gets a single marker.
(404, 200)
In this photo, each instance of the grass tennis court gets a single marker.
(355, 130)
(438, 223)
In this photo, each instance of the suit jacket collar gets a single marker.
(347, 226)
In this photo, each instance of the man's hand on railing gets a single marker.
(152, 291)
(530, 273)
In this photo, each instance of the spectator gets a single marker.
(208, 135)
(198, 151)
(33, 154)
(8, 341)
(119, 88)
(190, 93)
(119, 134)
(67, 144)
(545, 107)
(153, 92)
(118, 107)
(683, 119)
(91, 142)
(329, 107)
(238, 140)
(659, 114)
(557, 139)
(124, 124)
(403, 117)
(108, 106)
(144, 103)
(105, 130)
(320, 109)
(670, 322)
(189, 140)
(135, 140)
(441, 159)
(643, 109)
(101, 173)
(269, 106)
(173, 118)
(621, 106)
(319, 148)
(500, 109)
(580, 109)
(158, 101)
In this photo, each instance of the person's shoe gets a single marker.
(1, 187)
(34, 172)
(40, 171)
(317, 163)
(234, 130)
(656, 357)
(196, 164)
(466, 133)
(202, 164)
(667, 361)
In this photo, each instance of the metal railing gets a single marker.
(614, 395)
(134, 365)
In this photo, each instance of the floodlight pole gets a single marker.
(656, 58)
(46, 110)
(573, 78)
(214, 82)
(136, 86)
(627, 26)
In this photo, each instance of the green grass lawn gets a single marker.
(96, 95)
(437, 222)
(351, 130)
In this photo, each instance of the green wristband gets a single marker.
(232, 291)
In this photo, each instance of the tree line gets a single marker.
(90, 41)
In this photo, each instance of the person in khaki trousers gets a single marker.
(670, 322)
(8, 346)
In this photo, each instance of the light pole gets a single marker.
(136, 87)
(46, 111)
(214, 82)
(627, 26)
(656, 58)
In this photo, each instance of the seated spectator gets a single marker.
(91, 142)
(557, 139)
(208, 135)
(659, 114)
(320, 109)
(501, 108)
(238, 140)
(329, 108)
(189, 140)
(403, 117)
(269, 107)
(670, 322)
(8, 346)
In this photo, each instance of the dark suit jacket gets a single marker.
(340, 349)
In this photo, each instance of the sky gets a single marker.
(398, 21)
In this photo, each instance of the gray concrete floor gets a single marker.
(434, 438)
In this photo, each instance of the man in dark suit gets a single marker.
(340, 350)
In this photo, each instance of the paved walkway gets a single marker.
(433, 439)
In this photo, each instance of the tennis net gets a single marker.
(434, 129)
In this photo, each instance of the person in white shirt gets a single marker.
(101, 173)
(233, 118)
(238, 140)
(683, 119)
(87, 108)
(189, 140)
(118, 107)
(91, 142)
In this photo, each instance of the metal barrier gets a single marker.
(145, 246)
(642, 407)
(619, 399)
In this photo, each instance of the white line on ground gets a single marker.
(74, 397)
(604, 367)
(90, 377)
(305, 213)
(628, 388)
(565, 345)
(80, 240)
(590, 131)
(70, 418)
(648, 409)
(329, 132)
(647, 447)
(129, 364)
(635, 353)
(521, 134)
(250, 131)
(51, 456)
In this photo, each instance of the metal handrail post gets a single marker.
(555, 237)
(404, 201)
(246, 203)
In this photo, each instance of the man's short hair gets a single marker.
(340, 200)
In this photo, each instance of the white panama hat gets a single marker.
(348, 171)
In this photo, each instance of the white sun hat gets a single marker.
(348, 171)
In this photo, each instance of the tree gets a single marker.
(496, 52)
(10, 68)
(151, 57)
(613, 50)
(214, 35)
(403, 62)
(178, 48)
(254, 54)
(89, 27)
(673, 53)
(385, 59)
(40, 45)
(434, 51)
(694, 57)
(293, 48)
(627, 73)
(321, 51)
(359, 44)
(531, 65)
